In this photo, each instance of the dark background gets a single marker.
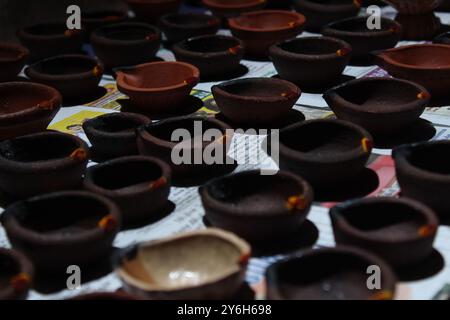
(15, 14)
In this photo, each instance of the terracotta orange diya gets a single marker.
(158, 87)
(426, 64)
(26, 108)
(16, 275)
(261, 29)
(12, 59)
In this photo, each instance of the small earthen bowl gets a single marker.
(259, 30)
(414, 63)
(329, 274)
(158, 87)
(257, 207)
(152, 10)
(321, 13)
(16, 275)
(414, 7)
(256, 101)
(92, 20)
(311, 61)
(125, 44)
(156, 140)
(181, 26)
(227, 9)
(443, 38)
(401, 231)
(48, 40)
(71, 75)
(113, 135)
(383, 106)
(214, 55)
(139, 185)
(41, 163)
(26, 108)
(12, 59)
(206, 264)
(61, 229)
(325, 152)
(361, 38)
(423, 174)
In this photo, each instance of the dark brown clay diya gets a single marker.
(126, 44)
(16, 275)
(425, 64)
(256, 101)
(424, 175)
(12, 59)
(92, 20)
(325, 152)
(329, 274)
(139, 185)
(113, 135)
(261, 29)
(311, 61)
(419, 27)
(383, 106)
(26, 108)
(152, 10)
(156, 140)
(361, 38)
(41, 163)
(401, 231)
(206, 264)
(181, 26)
(71, 75)
(322, 12)
(47, 40)
(214, 55)
(414, 7)
(165, 93)
(244, 204)
(61, 229)
(233, 8)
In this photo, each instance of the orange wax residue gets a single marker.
(427, 230)
(190, 80)
(108, 223)
(382, 295)
(244, 259)
(46, 105)
(296, 203)
(234, 50)
(367, 145)
(158, 183)
(151, 37)
(423, 96)
(21, 282)
(343, 52)
(69, 33)
(79, 155)
(357, 3)
(97, 71)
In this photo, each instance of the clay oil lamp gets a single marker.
(16, 275)
(414, 7)
(214, 55)
(125, 44)
(443, 38)
(26, 108)
(12, 59)
(233, 8)
(60, 229)
(152, 10)
(113, 135)
(257, 101)
(47, 40)
(168, 92)
(325, 152)
(401, 231)
(92, 20)
(206, 264)
(139, 185)
(425, 64)
(41, 163)
(181, 26)
(156, 140)
(259, 30)
(321, 13)
(71, 75)
(423, 174)
(328, 274)
(361, 38)
(243, 204)
(383, 106)
(311, 61)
